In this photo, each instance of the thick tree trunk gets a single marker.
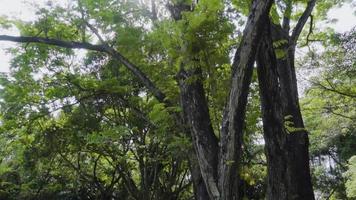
(299, 178)
(286, 148)
(205, 142)
(298, 154)
(221, 181)
(272, 114)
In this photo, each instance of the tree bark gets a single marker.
(299, 178)
(286, 149)
(272, 115)
(234, 116)
(205, 142)
(298, 170)
(199, 189)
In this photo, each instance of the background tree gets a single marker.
(329, 110)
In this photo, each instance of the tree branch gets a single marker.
(310, 30)
(329, 109)
(54, 42)
(302, 20)
(93, 47)
(332, 89)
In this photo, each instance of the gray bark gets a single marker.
(233, 121)
(205, 142)
(272, 114)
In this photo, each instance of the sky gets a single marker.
(21, 9)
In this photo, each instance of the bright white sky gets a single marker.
(21, 9)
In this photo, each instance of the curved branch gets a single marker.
(302, 20)
(233, 120)
(99, 48)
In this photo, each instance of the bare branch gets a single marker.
(310, 30)
(302, 20)
(55, 42)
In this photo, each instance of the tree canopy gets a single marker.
(178, 99)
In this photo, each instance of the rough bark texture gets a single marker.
(204, 140)
(199, 189)
(299, 178)
(272, 114)
(287, 151)
(300, 185)
(232, 125)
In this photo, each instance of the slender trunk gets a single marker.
(234, 116)
(203, 160)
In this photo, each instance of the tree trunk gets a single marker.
(298, 143)
(205, 142)
(272, 115)
(234, 116)
(286, 147)
(219, 168)
(199, 189)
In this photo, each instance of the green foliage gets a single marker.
(275, 18)
(4, 22)
(351, 178)
(78, 125)
(289, 125)
(329, 114)
(280, 51)
(242, 6)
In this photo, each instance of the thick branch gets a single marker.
(302, 20)
(55, 42)
(231, 135)
(99, 48)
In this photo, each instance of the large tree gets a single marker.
(191, 48)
